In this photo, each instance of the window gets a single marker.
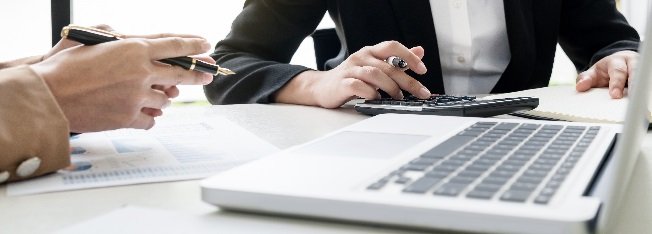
(28, 31)
(209, 19)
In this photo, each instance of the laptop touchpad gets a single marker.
(362, 144)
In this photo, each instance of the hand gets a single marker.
(65, 43)
(171, 91)
(107, 86)
(61, 45)
(612, 71)
(361, 75)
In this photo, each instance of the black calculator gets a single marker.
(448, 105)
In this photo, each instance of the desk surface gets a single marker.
(281, 125)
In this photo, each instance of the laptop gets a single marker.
(452, 173)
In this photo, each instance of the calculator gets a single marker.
(449, 105)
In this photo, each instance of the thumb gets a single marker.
(586, 79)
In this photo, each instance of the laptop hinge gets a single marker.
(590, 189)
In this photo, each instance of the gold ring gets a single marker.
(192, 67)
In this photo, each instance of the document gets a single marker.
(190, 143)
(565, 103)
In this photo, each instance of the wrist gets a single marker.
(299, 90)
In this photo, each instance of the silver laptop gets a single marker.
(453, 173)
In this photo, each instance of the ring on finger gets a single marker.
(397, 62)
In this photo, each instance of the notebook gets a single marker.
(565, 103)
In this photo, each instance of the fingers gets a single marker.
(631, 65)
(392, 48)
(403, 80)
(374, 57)
(359, 88)
(418, 51)
(143, 121)
(376, 78)
(585, 80)
(171, 47)
(163, 35)
(596, 76)
(104, 27)
(156, 99)
(168, 75)
(170, 91)
(612, 71)
(152, 112)
(207, 59)
(617, 70)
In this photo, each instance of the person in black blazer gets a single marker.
(265, 35)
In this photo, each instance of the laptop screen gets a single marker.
(634, 130)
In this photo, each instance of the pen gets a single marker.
(93, 36)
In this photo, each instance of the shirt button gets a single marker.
(4, 176)
(28, 167)
(461, 59)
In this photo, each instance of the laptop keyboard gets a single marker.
(508, 161)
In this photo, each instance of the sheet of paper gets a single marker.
(138, 220)
(190, 143)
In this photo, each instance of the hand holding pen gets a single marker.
(94, 36)
(119, 84)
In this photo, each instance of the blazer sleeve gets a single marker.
(593, 29)
(31, 125)
(259, 47)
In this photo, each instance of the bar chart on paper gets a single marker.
(177, 148)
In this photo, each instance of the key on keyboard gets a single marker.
(507, 161)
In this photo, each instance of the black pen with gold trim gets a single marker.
(93, 36)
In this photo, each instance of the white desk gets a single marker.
(283, 126)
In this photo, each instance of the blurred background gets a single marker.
(26, 27)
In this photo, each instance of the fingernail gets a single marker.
(421, 68)
(424, 92)
(615, 93)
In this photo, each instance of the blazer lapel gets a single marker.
(414, 19)
(520, 33)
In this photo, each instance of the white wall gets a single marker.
(25, 27)
(210, 19)
(636, 12)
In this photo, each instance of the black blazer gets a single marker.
(266, 34)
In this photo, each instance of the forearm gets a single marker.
(593, 29)
(262, 41)
(21, 61)
(255, 81)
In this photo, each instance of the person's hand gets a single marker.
(107, 86)
(361, 75)
(612, 71)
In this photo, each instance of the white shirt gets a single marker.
(473, 45)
